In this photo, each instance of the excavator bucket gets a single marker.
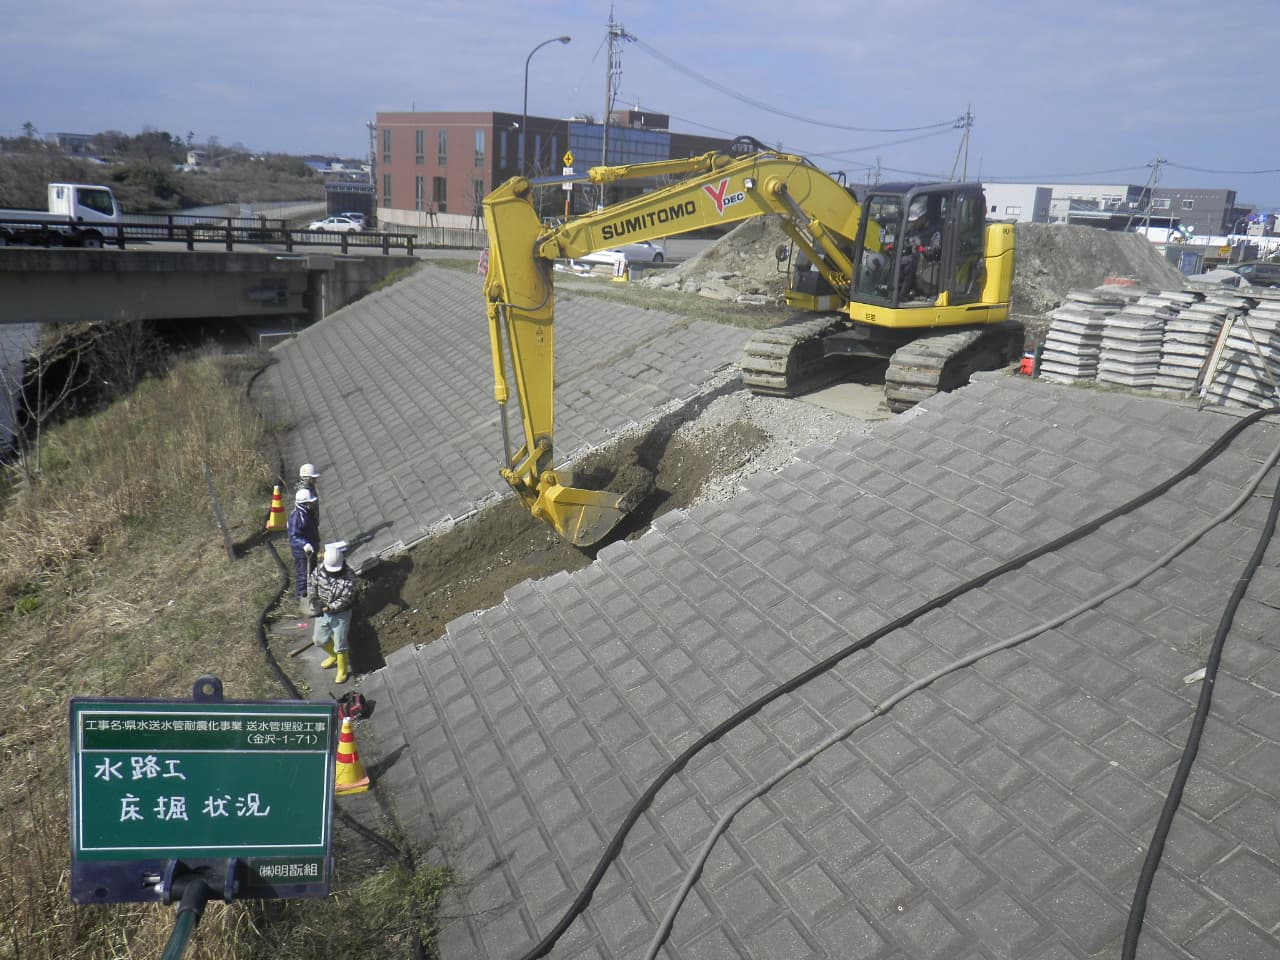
(583, 517)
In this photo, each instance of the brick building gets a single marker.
(435, 168)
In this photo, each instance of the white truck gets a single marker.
(79, 215)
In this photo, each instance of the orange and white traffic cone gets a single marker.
(351, 776)
(276, 519)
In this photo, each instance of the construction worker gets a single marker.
(307, 477)
(332, 592)
(304, 540)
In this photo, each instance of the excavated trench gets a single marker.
(413, 598)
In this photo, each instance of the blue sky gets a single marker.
(1058, 90)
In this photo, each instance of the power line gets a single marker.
(1059, 177)
(759, 105)
(1232, 173)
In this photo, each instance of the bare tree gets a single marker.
(126, 351)
(51, 375)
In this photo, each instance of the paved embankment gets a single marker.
(1003, 811)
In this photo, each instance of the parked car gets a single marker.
(358, 217)
(643, 251)
(336, 225)
(1260, 273)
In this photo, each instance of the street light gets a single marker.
(524, 115)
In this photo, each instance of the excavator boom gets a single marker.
(850, 259)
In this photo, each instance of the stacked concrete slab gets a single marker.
(1162, 340)
(1246, 373)
(1074, 339)
(1188, 339)
(1131, 339)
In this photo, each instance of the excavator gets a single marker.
(910, 273)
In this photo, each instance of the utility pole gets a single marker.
(964, 123)
(616, 34)
(1153, 180)
(373, 153)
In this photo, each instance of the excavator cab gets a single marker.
(921, 245)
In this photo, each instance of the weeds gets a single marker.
(114, 582)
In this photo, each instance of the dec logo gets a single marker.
(718, 194)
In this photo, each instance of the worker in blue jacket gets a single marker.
(304, 540)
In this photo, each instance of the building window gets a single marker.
(537, 152)
(1160, 203)
(442, 148)
(1188, 204)
(554, 153)
(1013, 210)
(420, 147)
(479, 148)
(420, 193)
(386, 144)
(503, 148)
(439, 194)
(386, 189)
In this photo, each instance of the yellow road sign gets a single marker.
(568, 158)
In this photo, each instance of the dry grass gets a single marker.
(114, 581)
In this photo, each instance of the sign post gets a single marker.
(238, 792)
(567, 170)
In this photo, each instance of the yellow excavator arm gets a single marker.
(818, 213)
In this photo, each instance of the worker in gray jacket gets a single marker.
(331, 589)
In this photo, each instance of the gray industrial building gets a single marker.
(1201, 211)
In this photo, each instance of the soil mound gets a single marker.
(1053, 259)
(740, 266)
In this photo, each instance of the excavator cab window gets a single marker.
(970, 248)
(921, 243)
(881, 235)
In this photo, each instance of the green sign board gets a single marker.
(154, 780)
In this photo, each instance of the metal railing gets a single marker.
(229, 231)
(191, 230)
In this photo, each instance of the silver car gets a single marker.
(336, 225)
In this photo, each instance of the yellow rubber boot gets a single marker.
(344, 668)
(330, 660)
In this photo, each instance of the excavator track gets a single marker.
(942, 362)
(787, 359)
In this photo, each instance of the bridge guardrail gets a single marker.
(229, 231)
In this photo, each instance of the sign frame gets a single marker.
(164, 788)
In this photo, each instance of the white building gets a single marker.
(1020, 202)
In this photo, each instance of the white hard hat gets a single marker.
(332, 557)
(308, 472)
(304, 495)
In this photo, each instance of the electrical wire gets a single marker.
(1155, 852)
(404, 858)
(614, 847)
(776, 111)
(880, 709)
(1233, 173)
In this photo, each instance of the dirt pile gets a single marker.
(1053, 259)
(740, 266)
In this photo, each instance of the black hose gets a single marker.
(403, 857)
(614, 848)
(1138, 907)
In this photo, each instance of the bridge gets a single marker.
(65, 286)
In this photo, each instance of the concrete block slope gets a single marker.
(1001, 811)
(392, 398)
